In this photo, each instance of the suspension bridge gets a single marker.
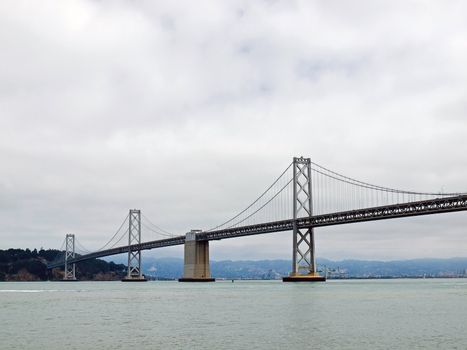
(305, 196)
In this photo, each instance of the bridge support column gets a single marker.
(134, 274)
(69, 254)
(303, 256)
(196, 262)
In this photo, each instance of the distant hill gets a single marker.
(31, 265)
(172, 268)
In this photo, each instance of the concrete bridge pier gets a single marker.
(196, 261)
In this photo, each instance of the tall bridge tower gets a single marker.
(134, 274)
(69, 254)
(303, 254)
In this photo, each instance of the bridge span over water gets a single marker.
(305, 196)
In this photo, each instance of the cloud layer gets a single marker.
(189, 111)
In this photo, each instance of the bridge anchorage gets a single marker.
(70, 269)
(134, 274)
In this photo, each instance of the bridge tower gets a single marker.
(134, 274)
(69, 254)
(303, 255)
(196, 260)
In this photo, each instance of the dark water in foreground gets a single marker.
(375, 314)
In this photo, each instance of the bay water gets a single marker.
(337, 314)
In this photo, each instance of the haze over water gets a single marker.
(370, 314)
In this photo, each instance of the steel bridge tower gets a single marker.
(134, 274)
(69, 254)
(303, 255)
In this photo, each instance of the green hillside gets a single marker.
(31, 265)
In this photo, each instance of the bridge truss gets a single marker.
(305, 196)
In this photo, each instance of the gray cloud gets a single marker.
(188, 112)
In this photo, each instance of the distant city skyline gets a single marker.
(189, 113)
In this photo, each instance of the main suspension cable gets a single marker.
(157, 227)
(257, 210)
(82, 247)
(121, 237)
(256, 201)
(157, 232)
(375, 187)
(115, 234)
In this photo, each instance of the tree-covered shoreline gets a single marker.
(31, 265)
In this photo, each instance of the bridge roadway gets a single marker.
(433, 206)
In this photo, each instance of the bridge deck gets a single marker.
(433, 206)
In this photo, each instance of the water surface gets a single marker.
(371, 314)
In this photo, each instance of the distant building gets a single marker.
(338, 273)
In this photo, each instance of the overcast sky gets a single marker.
(188, 110)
